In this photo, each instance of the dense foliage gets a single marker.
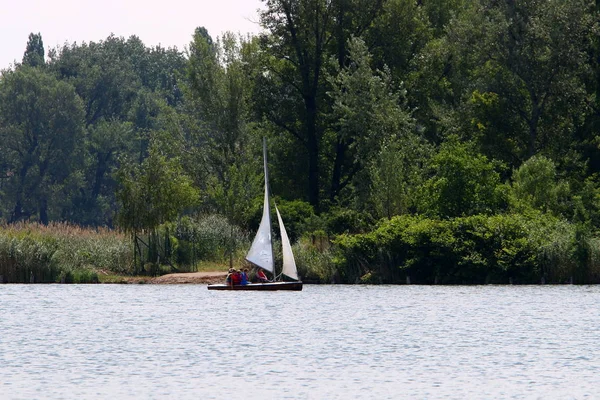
(430, 141)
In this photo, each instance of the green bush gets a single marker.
(474, 250)
(344, 220)
(298, 217)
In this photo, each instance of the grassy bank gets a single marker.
(59, 252)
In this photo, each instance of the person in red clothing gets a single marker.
(260, 275)
(236, 278)
(230, 273)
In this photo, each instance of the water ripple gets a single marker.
(333, 342)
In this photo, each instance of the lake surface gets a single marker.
(326, 342)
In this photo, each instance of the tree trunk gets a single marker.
(533, 128)
(18, 210)
(336, 177)
(43, 208)
(313, 153)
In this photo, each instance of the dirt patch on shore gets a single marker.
(206, 277)
(190, 277)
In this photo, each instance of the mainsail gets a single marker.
(261, 251)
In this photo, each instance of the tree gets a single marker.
(41, 128)
(397, 173)
(107, 141)
(535, 185)
(368, 111)
(218, 93)
(463, 183)
(34, 52)
(516, 73)
(218, 96)
(152, 193)
(291, 90)
(398, 34)
(126, 88)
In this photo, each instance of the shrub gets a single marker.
(475, 249)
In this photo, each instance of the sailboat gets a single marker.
(261, 251)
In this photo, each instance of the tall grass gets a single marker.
(209, 238)
(315, 259)
(60, 252)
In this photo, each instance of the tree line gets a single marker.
(375, 112)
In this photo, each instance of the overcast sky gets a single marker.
(168, 22)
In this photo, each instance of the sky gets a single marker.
(168, 23)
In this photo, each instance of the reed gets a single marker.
(61, 252)
(315, 260)
(208, 238)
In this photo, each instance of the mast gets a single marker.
(268, 203)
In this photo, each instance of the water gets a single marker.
(326, 342)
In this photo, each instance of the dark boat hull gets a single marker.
(269, 286)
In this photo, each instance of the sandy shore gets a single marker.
(190, 277)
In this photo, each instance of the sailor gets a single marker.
(244, 276)
(236, 277)
(228, 279)
(260, 275)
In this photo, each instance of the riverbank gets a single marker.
(205, 277)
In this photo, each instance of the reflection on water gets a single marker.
(326, 342)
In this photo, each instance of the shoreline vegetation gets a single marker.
(508, 249)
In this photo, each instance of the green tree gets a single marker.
(535, 185)
(218, 91)
(218, 97)
(397, 173)
(368, 111)
(41, 128)
(463, 183)
(106, 142)
(34, 52)
(398, 34)
(516, 73)
(152, 193)
(291, 89)
(126, 87)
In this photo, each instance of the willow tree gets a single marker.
(150, 194)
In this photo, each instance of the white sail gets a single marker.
(289, 263)
(261, 251)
